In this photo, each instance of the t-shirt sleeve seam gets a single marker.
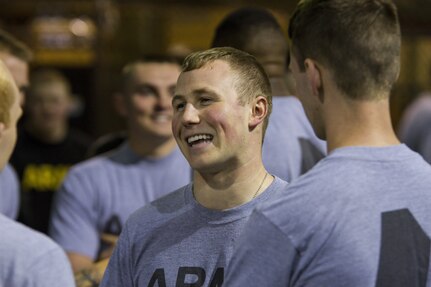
(260, 213)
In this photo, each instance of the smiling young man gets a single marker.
(361, 217)
(221, 108)
(98, 195)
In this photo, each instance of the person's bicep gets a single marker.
(73, 222)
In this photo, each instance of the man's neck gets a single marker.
(148, 146)
(229, 188)
(359, 123)
(279, 87)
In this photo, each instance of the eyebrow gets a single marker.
(177, 98)
(196, 93)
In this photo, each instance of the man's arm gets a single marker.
(87, 272)
(80, 262)
(74, 218)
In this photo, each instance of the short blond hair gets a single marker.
(46, 76)
(251, 80)
(6, 94)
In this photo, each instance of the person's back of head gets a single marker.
(10, 112)
(257, 32)
(16, 56)
(358, 41)
(11, 45)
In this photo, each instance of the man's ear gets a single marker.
(314, 76)
(259, 111)
(120, 104)
(2, 129)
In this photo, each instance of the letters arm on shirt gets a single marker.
(74, 220)
(119, 271)
(263, 256)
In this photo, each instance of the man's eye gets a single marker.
(145, 91)
(206, 101)
(179, 107)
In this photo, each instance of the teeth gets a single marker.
(198, 137)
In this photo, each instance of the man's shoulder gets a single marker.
(8, 173)
(30, 256)
(92, 165)
(161, 210)
(23, 241)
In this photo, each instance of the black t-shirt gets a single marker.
(41, 168)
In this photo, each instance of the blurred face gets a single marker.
(209, 124)
(148, 96)
(270, 50)
(19, 71)
(48, 106)
(309, 101)
(8, 137)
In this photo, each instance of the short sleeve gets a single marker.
(74, 215)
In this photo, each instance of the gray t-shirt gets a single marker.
(98, 195)
(175, 241)
(415, 123)
(290, 147)
(425, 148)
(361, 217)
(9, 192)
(30, 259)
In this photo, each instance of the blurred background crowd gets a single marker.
(89, 42)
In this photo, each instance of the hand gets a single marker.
(108, 240)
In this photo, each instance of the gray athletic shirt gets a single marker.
(9, 192)
(425, 149)
(30, 259)
(175, 241)
(290, 147)
(361, 217)
(98, 195)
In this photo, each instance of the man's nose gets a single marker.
(190, 115)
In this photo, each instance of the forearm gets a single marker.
(91, 275)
